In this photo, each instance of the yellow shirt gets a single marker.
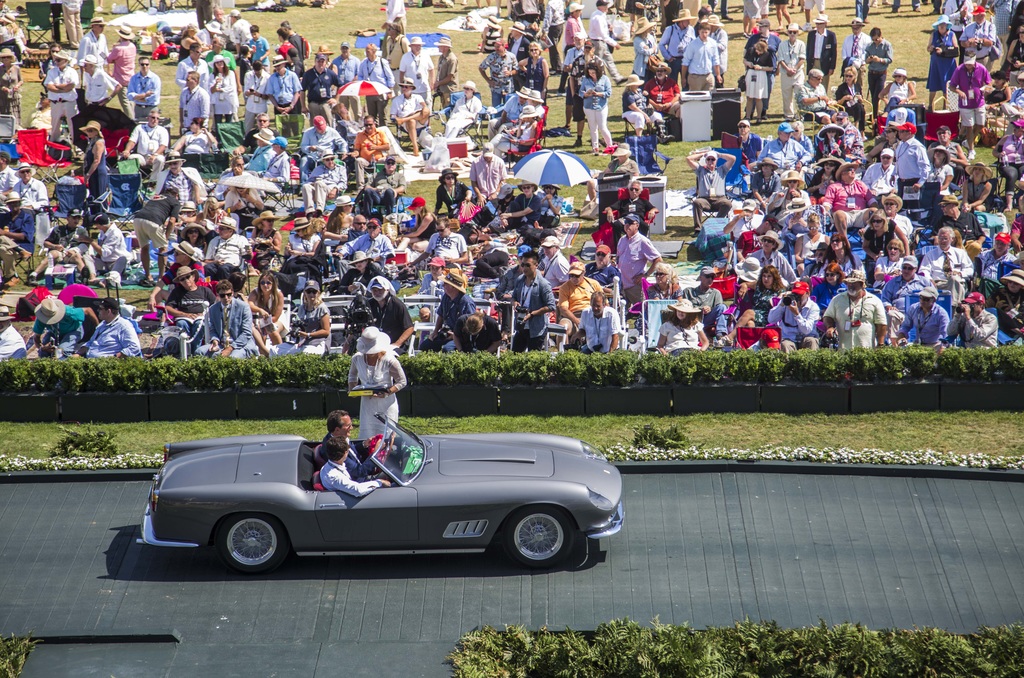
(578, 296)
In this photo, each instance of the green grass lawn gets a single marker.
(994, 433)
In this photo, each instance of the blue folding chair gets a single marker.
(125, 198)
(645, 152)
(68, 197)
(738, 176)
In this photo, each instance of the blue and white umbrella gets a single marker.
(552, 167)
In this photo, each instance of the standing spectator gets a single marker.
(229, 326)
(193, 62)
(604, 43)
(967, 81)
(298, 52)
(792, 57)
(122, 56)
(944, 49)
(878, 55)
(447, 79)
(394, 49)
(60, 84)
(152, 224)
(980, 36)
(855, 318)
(259, 45)
(674, 41)
(532, 300)
(94, 163)
(255, 88)
(552, 27)
(373, 69)
(645, 46)
(637, 258)
(711, 193)
(854, 53)
(596, 89)
(194, 101)
(223, 92)
(318, 87)
(487, 174)
(71, 10)
(417, 68)
(396, 17)
(912, 164)
(283, 88)
(573, 28)
(701, 62)
(497, 69)
(99, 87)
(346, 67)
(143, 90)
(821, 49)
(10, 86)
(236, 31)
(759, 63)
(94, 42)
(533, 71)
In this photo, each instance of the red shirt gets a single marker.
(661, 93)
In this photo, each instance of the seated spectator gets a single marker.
(620, 164)
(229, 326)
(890, 265)
(553, 264)
(225, 253)
(742, 230)
(522, 136)
(445, 243)
(436, 271)
(267, 305)
(876, 236)
(532, 300)
(418, 235)
(1009, 304)
(754, 300)
(927, 319)
(574, 296)
(279, 168)
(797, 318)
(602, 270)
(310, 325)
(892, 204)
(188, 303)
(335, 476)
(303, 249)
(812, 99)
(973, 325)
(317, 141)
(377, 245)
(184, 254)
(711, 194)
(114, 337)
(381, 193)
(390, 314)
(108, 252)
(632, 204)
(57, 329)
(769, 255)
(666, 283)
(880, 176)
(454, 304)
(12, 344)
(841, 253)
(765, 182)
(898, 289)
(848, 199)
(451, 194)
(853, 139)
(806, 244)
(977, 189)
(477, 333)
(370, 146)
(17, 237)
(66, 244)
(409, 111)
(709, 301)
(197, 140)
(326, 182)
(525, 209)
(362, 269)
(949, 268)
(185, 180)
(261, 156)
(599, 330)
(148, 143)
(968, 230)
(682, 330)
(831, 285)
(250, 140)
(816, 267)
(463, 113)
(988, 262)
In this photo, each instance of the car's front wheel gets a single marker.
(252, 542)
(539, 536)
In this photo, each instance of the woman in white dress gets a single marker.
(463, 113)
(375, 364)
(223, 92)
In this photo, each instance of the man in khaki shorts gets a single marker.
(152, 224)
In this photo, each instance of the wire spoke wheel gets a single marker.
(539, 536)
(252, 543)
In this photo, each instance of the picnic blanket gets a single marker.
(568, 231)
(177, 19)
(472, 22)
(429, 41)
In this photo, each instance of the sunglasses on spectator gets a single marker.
(311, 292)
(268, 283)
(635, 188)
(601, 254)
(909, 268)
(660, 274)
(226, 296)
(831, 275)
(878, 221)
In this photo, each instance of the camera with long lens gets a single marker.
(357, 318)
(789, 300)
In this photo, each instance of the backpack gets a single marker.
(25, 309)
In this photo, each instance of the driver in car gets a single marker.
(339, 425)
(335, 475)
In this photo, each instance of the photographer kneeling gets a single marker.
(797, 318)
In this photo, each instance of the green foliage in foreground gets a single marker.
(85, 441)
(624, 648)
(622, 368)
(14, 652)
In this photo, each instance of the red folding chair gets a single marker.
(624, 194)
(516, 152)
(935, 120)
(34, 148)
(725, 285)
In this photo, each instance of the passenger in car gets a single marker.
(339, 425)
(336, 476)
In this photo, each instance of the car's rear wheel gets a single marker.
(252, 542)
(539, 536)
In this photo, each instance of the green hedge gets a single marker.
(14, 652)
(626, 649)
(622, 368)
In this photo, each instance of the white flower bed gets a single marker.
(826, 455)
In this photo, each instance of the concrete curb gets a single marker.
(114, 636)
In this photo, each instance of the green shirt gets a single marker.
(72, 320)
(228, 57)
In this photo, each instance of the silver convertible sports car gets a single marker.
(253, 498)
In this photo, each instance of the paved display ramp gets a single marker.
(703, 548)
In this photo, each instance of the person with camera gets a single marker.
(454, 304)
(972, 324)
(927, 319)
(310, 325)
(854, 318)
(390, 314)
(478, 333)
(532, 301)
(797, 318)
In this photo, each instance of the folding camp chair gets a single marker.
(230, 134)
(34, 148)
(39, 22)
(125, 198)
(653, 309)
(290, 127)
(936, 119)
(516, 152)
(446, 112)
(68, 197)
(89, 10)
(645, 152)
(209, 165)
(8, 127)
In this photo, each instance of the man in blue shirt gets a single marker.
(346, 67)
(927, 318)
(895, 292)
(114, 337)
(318, 86)
(17, 237)
(454, 304)
(702, 66)
(602, 270)
(283, 88)
(373, 69)
(674, 42)
(144, 90)
(787, 153)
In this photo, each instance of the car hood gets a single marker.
(495, 455)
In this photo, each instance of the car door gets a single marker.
(386, 516)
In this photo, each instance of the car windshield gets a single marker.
(401, 454)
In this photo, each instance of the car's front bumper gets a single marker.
(610, 528)
(149, 536)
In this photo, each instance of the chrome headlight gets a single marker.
(591, 452)
(600, 501)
